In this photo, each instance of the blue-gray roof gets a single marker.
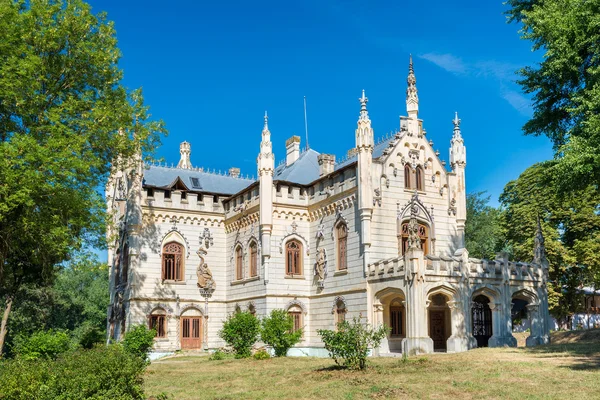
(377, 152)
(194, 180)
(303, 171)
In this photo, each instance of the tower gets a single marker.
(266, 166)
(364, 148)
(458, 162)
(185, 149)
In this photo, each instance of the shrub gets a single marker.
(101, 373)
(261, 355)
(42, 344)
(240, 331)
(217, 355)
(139, 341)
(277, 332)
(88, 335)
(350, 345)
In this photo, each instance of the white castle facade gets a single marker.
(379, 235)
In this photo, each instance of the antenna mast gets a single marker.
(305, 124)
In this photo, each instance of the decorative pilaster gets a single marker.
(364, 148)
(458, 161)
(266, 166)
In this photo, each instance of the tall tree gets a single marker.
(566, 84)
(570, 224)
(483, 234)
(64, 117)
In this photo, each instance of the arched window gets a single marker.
(407, 174)
(340, 312)
(172, 262)
(420, 178)
(252, 309)
(423, 234)
(342, 246)
(296, 313)
(239, 266)
(253, 259)
(293, 260)
(158, 321)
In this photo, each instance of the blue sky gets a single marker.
(210, 69)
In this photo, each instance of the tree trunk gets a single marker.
(4, 322)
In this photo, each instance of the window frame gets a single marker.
(403, 242)
(290, 255)
(253, 259)
(297, 314)
(407, 177)
(420, 178)
(178, 269)
(158, 318)
(239, 263)
(341, 246)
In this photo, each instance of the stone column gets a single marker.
(536, 326)
(458, 341)
(384, 347)
(417, 339)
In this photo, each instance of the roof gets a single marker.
(196, 180)
(377, 152)
(303, 171)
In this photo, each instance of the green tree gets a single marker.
(64, 118)
(565, 84)
(278, 332)
(483, 233)
(571, 227)
(240, 331)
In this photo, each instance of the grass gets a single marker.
(567, 369)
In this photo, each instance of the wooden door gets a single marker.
(438, 329)
(191, 332)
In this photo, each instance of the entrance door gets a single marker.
(482, 320)
(438, 329)
(191, 332)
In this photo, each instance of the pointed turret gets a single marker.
(266, 166)
(412, 99)
(458, 151)
(364, 149)
(185, 149)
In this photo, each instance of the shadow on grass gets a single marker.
(332, 368)
(582, 355)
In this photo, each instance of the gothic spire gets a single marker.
(364, 114)
(266, 128)
(456, 122)
(265, 144)
(412, 99)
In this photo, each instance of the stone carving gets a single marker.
(207, 237)
(377, 198)
(205, 277)
(414, 241)
(452, 208)
(321, 265)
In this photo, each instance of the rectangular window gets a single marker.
(253, 260)
(157, 322)
(239, 271)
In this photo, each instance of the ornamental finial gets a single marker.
(266, 120)
(412, 100)
(456, 122)
(364, 115)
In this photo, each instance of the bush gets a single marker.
(42, 344)
(139, 340)
(277, 332)
(217, 355)
(101, 373)
(240, 331)
(88, 335)
(350, 345)
(261, 355)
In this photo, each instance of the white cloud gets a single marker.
(448, 62)
(518, 101)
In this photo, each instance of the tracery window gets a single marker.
(293, 260)
(423, 235)
(172, 262)
(419, 175)
(158, 321)
(407, 174)
(239, 266)
(253, 259)
(296, 313)
(342, 246)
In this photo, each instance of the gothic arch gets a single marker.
(298, 303)
(445, 288)
(190, 307)
(336, 301)
(488, 291)
(174, 235)
(525, 294)
(152, 307)
(291, 236)
(390, 292)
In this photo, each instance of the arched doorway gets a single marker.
(440, 327)
(525, 317)
(481, 320)
(391, 311)
(191, 329)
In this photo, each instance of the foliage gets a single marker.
(349, 346)
(217, 355)
(571, 227)
(565, 84)
(101, 373)
(139, 340)
(483, 234)
(240, 331)
(42, 344)
(64, 119)
(261, 355)
(278, 332)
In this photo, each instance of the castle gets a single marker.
(378, 235)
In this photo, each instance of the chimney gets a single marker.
(234, 172)
(185, 149)
(292, 146)
(326, 164)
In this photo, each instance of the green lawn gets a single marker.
(567, 369)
